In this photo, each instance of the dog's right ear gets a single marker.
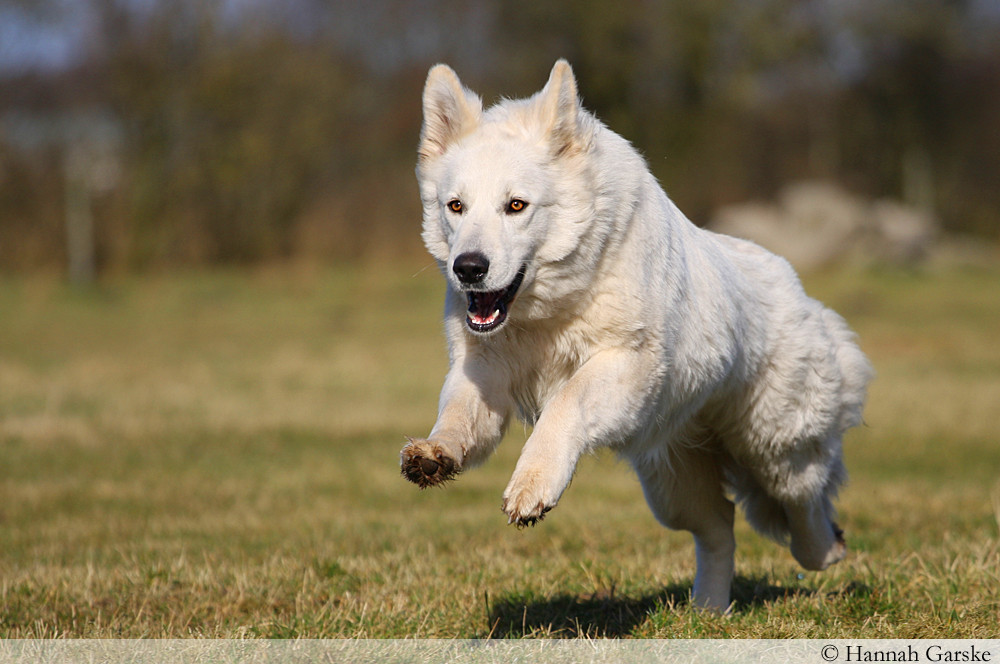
(450, 110)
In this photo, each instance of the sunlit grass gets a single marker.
(216, 454)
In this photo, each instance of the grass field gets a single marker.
(216, 455)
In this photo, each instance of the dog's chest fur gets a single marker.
(540, 356)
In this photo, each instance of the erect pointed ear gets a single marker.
(450, 110)
(560, 108)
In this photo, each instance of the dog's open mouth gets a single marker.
(488, 310)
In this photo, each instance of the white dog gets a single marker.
(581, 299)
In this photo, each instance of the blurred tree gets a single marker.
(255, 131)
(230, 133)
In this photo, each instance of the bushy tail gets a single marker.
(855, 369)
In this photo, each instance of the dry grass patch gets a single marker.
(215, 455)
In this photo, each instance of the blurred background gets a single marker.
(141, 135)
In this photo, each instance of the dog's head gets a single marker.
(500, 188)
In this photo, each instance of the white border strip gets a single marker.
(579, 651)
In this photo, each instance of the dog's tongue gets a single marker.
(484, 308)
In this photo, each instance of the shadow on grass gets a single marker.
(608, 614)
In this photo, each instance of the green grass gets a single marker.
(216, 455)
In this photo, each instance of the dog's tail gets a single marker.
(855, 370)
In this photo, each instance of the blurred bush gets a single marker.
(246, 131)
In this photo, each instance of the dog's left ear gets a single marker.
(559, 107)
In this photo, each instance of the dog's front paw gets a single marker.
(526, 503)
(425, 463)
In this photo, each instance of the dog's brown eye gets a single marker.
(455, 206)
(516, 205)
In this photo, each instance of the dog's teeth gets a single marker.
(480, 320)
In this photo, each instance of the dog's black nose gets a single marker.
(471, 267)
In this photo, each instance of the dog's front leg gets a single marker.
(472, 417)
(602, 403)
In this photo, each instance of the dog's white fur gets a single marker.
(697, 357)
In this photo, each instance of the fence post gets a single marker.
(79, 217)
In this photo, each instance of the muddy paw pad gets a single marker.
(429, 467)
(425, 465)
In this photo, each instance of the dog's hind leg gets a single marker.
(817, 542)
(686, 493)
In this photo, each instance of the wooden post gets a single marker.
(79, 217)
